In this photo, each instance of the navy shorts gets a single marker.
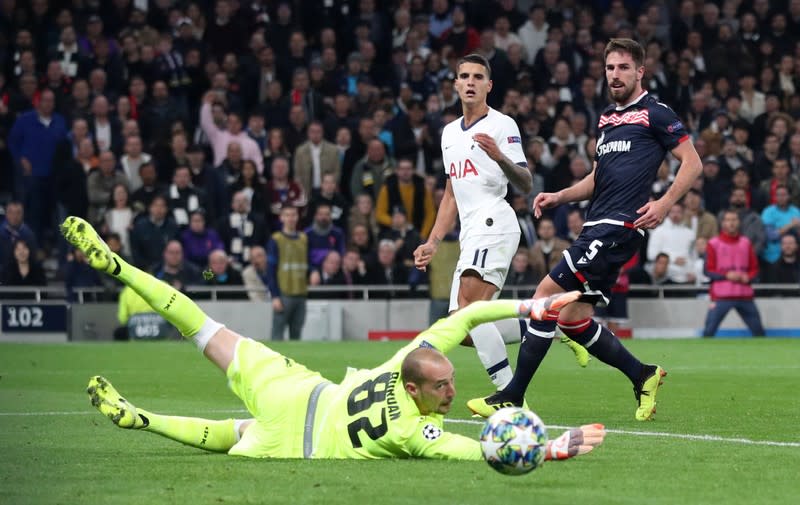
(592, 263)
(617, 309)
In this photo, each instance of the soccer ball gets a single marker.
(514, 441)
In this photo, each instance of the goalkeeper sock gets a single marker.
(217, 436)
(492, 353)
(173, 305)
(535, 344)
(603, 345)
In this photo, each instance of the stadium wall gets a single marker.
(360, 320)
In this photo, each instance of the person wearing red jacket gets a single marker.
(731, 264)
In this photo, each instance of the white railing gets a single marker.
(50, 294)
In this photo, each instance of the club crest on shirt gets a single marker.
(431, 431)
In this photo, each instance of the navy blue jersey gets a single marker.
(632, 144)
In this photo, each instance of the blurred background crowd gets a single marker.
(182, 129)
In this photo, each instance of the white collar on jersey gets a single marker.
(633, 102)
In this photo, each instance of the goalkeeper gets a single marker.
(393, 411)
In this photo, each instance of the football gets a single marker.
(514, 441)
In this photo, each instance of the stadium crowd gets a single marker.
(185, 130)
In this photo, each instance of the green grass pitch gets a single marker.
(55, 448)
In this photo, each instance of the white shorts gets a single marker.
(490, 256)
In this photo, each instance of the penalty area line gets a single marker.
(662, 434)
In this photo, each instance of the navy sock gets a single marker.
(535, 344)
(605, 346)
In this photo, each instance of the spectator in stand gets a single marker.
(224, 275)
(701, 222)
(547, 251)
(32, 142)
(360, 240)
(211, 181)
(754, 198)
(370, 171)
(385, 270)
(731, 264)
(184, 198)
(765, 158)
(133, 158)
(787, 269)
(328, 195)
(252, 184)
(676, 240)
(463, 38)
(78, 274)
(405, 237)
(415, 139)
(198, 240)
(13, 229)
(779, 218)
(323, 237)
(751, 225)
(141, 198)
(118, 217)
(275, 148)
(314, 158)
(104, 128)
(329, 273)
(405, 189)
(715, 187)
(22, 269)
(231, 166)
(241, 229)
(256, 275)
(69, 177)
(288, 276)
(220, 138)
(151, 233)
(100, 184)
(781, 176)
(521, 273)
(175, 270)
(282, 191)
(534, 32)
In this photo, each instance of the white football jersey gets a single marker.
(479, 183)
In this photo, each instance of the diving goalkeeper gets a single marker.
(393, 411)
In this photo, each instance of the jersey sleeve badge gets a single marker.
(431, 432)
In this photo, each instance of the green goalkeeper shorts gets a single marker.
(276, 390)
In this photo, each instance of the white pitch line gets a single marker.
(682, 436)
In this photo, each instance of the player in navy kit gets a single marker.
(636, 132)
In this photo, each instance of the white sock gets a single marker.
(208, 330)
(512, 329)
(492, 353)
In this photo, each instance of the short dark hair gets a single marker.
(661, 255)
(475, 58)
(628, 46)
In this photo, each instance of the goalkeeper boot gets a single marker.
(645, 391)
(581, 354)
(485, 407)
(112, 405)
(83, 236)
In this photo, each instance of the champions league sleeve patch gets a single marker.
(514, 140)
(677, 125)
(431, 432)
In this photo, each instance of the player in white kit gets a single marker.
(482, 153)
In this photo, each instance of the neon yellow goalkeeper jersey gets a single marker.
(370, 415)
